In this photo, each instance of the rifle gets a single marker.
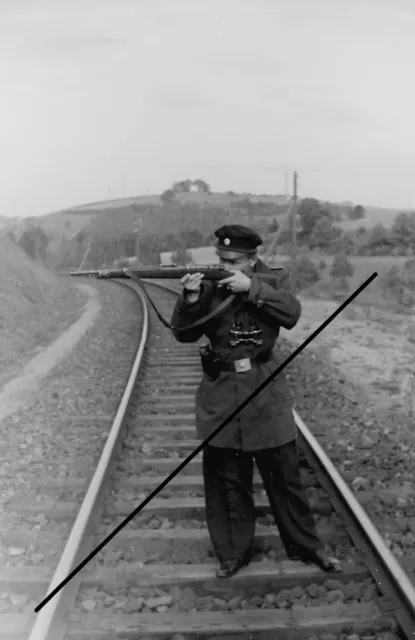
(170, 272)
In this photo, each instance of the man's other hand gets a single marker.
(237, 283)
(191, 286)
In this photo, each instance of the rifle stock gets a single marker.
(160, 273)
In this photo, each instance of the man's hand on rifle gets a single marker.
(191, 286)
(238, 283)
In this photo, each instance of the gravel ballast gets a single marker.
(373, 449)
(72, 414)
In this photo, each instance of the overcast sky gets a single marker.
(235, 92)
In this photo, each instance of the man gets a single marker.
(239, 359)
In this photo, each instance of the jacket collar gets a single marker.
(261, 267)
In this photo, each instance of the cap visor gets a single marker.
(231, 255)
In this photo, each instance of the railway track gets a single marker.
(155, 578)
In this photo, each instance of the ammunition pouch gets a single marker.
(210, 362)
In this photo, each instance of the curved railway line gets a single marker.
(155, 578)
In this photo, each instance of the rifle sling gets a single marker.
(209, 316)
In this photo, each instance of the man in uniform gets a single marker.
(239, 358)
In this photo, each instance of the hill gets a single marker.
(70, 221)
(116, 228)
(65, 225)
(8, 222)
(213, 199)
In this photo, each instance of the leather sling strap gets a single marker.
(209, 316)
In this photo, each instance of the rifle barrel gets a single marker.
(161, 273)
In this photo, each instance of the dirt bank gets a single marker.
(21, 390)
(36, 306)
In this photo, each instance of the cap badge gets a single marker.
(226, 241)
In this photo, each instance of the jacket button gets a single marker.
(260, 303)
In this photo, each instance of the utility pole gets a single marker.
(88, 248)
(137, 226)
(294, 230)
(284, 223)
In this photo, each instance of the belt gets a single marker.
(245, 364)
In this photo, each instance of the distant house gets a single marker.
(199, 255)
(126, 262)
(166, 257)
(281, 199)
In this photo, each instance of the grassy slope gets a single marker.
(35, 307)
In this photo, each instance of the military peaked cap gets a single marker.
(236, 238)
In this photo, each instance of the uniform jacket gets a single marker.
(267, 421)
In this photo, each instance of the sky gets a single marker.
(109, 99)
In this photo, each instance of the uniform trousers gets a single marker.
(230, 512)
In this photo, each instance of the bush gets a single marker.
(341, 266)
(306, 273)
(322, 265)
(400, 285)
(344, 284)
(273, 226)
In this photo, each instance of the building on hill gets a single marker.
(126, 262)
(282, 199)
(199, 255)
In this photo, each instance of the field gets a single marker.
(364, 266)
(374, 215)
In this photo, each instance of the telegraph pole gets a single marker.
(88, 249)
(294, 229)
(137, 240)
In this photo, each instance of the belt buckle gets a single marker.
(242, 365)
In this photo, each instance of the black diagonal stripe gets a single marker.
(205, 442)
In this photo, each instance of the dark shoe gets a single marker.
(321, 559)
(228, 568)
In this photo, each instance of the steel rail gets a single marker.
(386, 571)
(49, 623)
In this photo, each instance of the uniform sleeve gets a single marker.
(186, 313)
(274, 301)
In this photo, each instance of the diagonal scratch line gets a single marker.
(205, 442)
